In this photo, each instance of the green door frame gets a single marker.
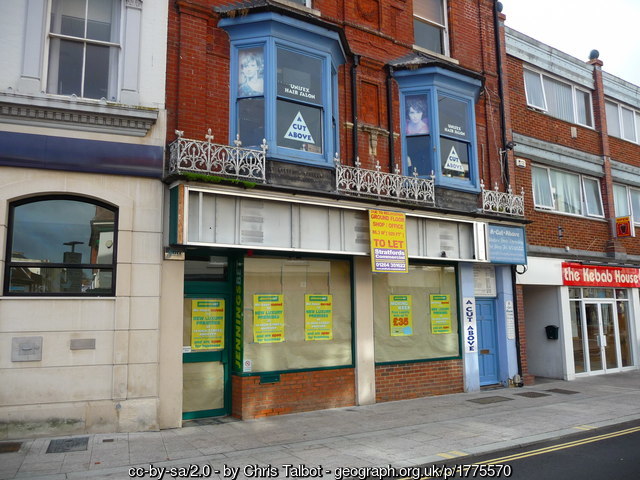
(206, 290)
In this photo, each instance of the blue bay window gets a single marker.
(438, 126)
(284, 86)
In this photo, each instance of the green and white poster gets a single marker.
(268, 318)
(440, 313)
(207, 324)
(318, 317)
(400, 315)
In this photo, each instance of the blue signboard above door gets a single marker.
(507, 245)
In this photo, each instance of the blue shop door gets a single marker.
(487, 342)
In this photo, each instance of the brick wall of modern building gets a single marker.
(579, 233)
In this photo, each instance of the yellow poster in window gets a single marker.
(400, 315)
(318, 317)
(207, 324)
(268, 318)
(440, 313)
(387, 231)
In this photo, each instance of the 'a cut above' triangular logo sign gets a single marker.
(453, 161)
(298, 131)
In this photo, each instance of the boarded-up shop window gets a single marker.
(434, 310)
(283, 285)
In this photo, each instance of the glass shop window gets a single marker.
(297, 313)
(61, 246)
(416, 314)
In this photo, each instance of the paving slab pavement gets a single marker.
(400, 434)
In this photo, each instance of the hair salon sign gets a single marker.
(575, 274)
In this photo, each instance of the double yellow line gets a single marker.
(562, 446)
(552, 448)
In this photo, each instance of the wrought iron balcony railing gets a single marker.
(507, 203)
(377, 184)
(236, 162)
(208, 158)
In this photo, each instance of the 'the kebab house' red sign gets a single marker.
(575, 274)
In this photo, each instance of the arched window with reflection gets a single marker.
(61, 245)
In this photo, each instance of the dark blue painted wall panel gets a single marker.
(78, 155)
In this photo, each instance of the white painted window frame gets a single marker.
(544, 108)
(35, 54)
(583, 180)
(584, 206)
(620, 122)
(113, 45)
(443, 27)
(297, 3)
(628, 192)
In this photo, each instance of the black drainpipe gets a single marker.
(354, 105)
(392, 150)
(503, 121)
(505, 169)
(517, 324)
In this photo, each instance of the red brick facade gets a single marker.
(294, 392)
(403, 381)
(582, 233)
(554, 236)
(198, 73)
(376, 33)
(578, 233)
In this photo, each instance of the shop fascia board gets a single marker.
(341, 204)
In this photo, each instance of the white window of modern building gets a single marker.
(559, 99)
(566, 192)
(627, 201)
(623, 122)
(430, 25)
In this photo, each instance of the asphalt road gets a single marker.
(605, 453)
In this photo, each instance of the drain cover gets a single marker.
(64, 445)
(487, 400)
(533, 394)
(560, 390)
(9, 447)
